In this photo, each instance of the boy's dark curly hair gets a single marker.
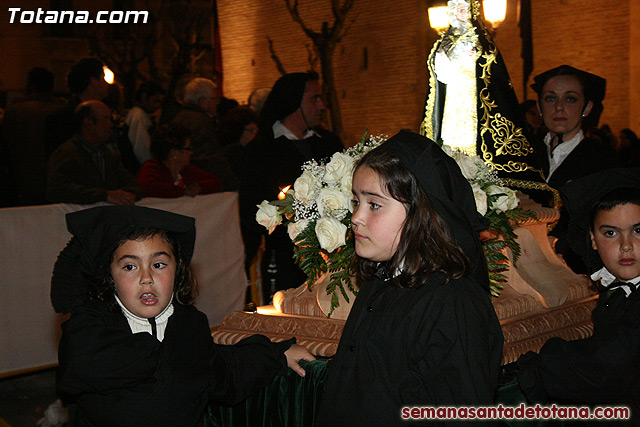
(620, 196)
(185, 284)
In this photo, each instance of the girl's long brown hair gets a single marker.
(426, 245)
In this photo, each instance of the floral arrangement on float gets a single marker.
(317, 211)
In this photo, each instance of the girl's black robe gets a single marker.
(431, 345)
(119, 378)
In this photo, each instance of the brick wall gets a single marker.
(383, 95)
(592, 35)
(388, 93)
(588, 34)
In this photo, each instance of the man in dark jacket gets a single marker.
(290, 134)
(83, 170)
(86, 82)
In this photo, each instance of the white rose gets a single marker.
(339, 166)
(506, 200)
(306, 187)
(468, 167)
(480, 197)
(268, 216)
(333, 199)
(447, 150)
(345, 184)
(331, 233)
(479, 162)
(295, 228)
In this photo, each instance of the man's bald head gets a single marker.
(93, 122)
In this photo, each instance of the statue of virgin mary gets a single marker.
(471, 105)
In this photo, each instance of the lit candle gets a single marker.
(283, 193)
(109, 77)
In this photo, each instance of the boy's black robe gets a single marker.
(601, 369)
(125, 379)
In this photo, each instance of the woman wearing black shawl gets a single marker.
(289, 136)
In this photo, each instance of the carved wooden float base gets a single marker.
(525, 324)
(543, 299)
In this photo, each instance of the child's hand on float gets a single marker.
(295, 354)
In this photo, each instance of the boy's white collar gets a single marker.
(141, 324)
(606, 278)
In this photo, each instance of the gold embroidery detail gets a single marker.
(426, 127)
(543, 186)
(475, 8)
(507, 138)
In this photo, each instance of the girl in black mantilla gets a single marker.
(422, 330)
(135, 352)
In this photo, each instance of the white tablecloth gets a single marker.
(32, 237)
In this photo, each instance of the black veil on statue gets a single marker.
(500, 138)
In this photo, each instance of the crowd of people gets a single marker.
(88, 149)
(422, 330)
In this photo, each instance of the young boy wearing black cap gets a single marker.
(135, 351)
(604, 228)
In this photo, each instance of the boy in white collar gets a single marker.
(604, 229)
(135, 351)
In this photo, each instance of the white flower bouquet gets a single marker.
(317, 211)
(497, 203)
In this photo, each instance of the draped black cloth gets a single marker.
(432, 345)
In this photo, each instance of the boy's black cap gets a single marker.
(440, 178)
(99, 229)
(580, 195)
(95, 232)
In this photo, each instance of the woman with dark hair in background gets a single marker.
(290, 134)
(169, 173)
(570, 100)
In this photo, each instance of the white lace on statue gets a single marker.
(455, 66)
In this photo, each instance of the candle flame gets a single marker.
(283, 192)
(109, 77)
